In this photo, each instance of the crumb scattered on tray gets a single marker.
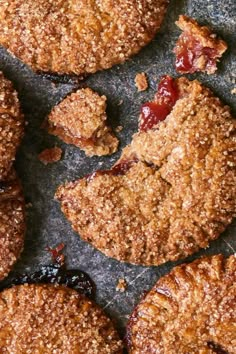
(233, 91)
(197, 49)
(119, 129)
(50, 155)
(121, 285)
(141, 82)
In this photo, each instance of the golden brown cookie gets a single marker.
(54, 319)
(190, 310)
(68, 36)
(11, 125)
(12, 223)
(198, 48)
(80, 119)
(173, 189)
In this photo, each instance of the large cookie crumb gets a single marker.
(80, 119)
(141, 82)
(50, 155)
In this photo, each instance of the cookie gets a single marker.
(78, 36)
(173, 189)
(54, 319)
(198, 48)
(11, 125)
(80, 119)
(12, 223)
(190, 310)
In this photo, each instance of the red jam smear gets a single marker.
(117, 170)
(157, 111)
(188, 51)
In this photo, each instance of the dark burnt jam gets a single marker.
(55, 273)
(216, 348)
(157, 111)
(192, 56)
(3, 186)
(118, 170)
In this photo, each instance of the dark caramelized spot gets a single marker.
(192, 56)
(165, 99)
(3, 186)
(55, 273)
(216, 348)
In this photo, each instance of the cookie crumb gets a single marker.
(233, 91)
(50, 155)
(119, 129)
(141, 82)
(121, 285)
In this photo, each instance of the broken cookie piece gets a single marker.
(173, 189)
(193, 308)
(197, 49)
(50, 155)
(80, 119)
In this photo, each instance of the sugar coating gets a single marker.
(11, 125)
(80, 119)
(12, 223)
(177, 197)
(54, 319)
(70, 36)
(193, 308)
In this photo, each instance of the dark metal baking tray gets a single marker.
(46, 225)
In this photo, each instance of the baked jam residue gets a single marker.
(55, 273)
(118, 170)
(192, 56)
(157, 111)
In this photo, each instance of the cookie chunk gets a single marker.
(50, 155)
(54, 319)
(197, 49)
(193, 309)
(11, 125)
(173, 189)
(78, 36)
(12, 223)
(80, 119)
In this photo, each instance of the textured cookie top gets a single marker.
(53, 319)
(11, 125)
(191, 310)
(71, 36)
(12, 223)
(172, 191)
(80, 119)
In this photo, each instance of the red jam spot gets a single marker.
(157, 111)
(188, 51)
(118, 170)
(56, 254)
(122, 167)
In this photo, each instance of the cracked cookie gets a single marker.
(54, 319)
(173, 189)
(80, 37)
(190, 310)
(80, 119)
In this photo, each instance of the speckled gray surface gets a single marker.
(46, 224)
